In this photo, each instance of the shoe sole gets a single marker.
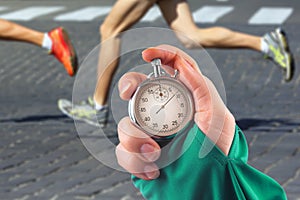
(73, 55)
(283, 39)
(290, 70)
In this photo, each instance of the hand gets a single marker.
(137, 152)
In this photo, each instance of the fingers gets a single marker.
(188, 69)
(137, 151)
(168, 55)
(128, 84)
(133, 138)
(132, 163)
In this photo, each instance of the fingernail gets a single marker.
(151, 172)
(124, 86)
(149, 152)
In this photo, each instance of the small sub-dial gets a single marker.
(161, 94)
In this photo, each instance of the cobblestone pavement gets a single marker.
(41, 156)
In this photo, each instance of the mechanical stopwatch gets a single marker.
(161, 105)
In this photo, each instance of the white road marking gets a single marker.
(84, 14)
(271, 15)
(205, 14)
(2, 8)
(210, 14)
(30, 13)
(151, 15)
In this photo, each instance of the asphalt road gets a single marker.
(41, 156)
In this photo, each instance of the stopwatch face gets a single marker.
(161, 107)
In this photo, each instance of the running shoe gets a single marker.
(279, 52)
(84, 111)
(63, 50)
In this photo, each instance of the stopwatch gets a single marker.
(161, 105)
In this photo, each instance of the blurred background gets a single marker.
(41, 156)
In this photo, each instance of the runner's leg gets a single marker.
(178, 15)
(13, 31)
(122, 16)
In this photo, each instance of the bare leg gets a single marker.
(179, 18)
(13, 31)
(122, 16)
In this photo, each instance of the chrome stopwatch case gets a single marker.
(161, 106)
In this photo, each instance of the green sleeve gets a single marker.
(215, 176)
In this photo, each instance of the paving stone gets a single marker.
(41, 156)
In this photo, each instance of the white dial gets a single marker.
(161, 106)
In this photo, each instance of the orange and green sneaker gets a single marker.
(63, 49)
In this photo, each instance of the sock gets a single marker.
(98, 106)
(264, 46)
(47, 42)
